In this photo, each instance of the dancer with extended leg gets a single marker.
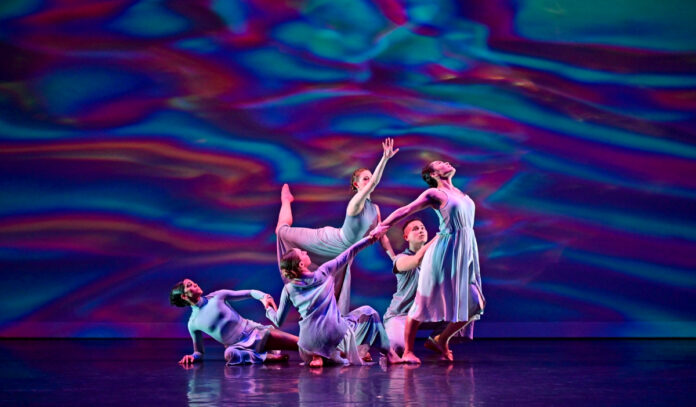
(449, 285)
(326, 243)
(324, 332)
(245, 341)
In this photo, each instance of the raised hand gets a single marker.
(388, 146)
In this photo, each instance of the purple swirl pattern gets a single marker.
(142, 142)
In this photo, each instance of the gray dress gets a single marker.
(244, 340)
(324, 331)
(326, 243)
(450, 279)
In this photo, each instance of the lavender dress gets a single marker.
(324, 331)
(244, 340)
(449, 284)
(326, 243)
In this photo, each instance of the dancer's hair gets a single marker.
(427, 175)
(175, 295)
(290, 264)
(355, 176)
(408, 222)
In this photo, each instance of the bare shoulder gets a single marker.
(434, 195)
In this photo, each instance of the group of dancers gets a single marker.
(438, 282)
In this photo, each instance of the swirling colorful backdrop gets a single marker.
(146, 141)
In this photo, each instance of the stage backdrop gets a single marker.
(142, 142)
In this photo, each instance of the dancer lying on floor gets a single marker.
(326, 243)
(324, 332)
(245, 341)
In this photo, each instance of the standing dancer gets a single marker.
(449, 286)
(328, 242)
(324, 331)
(245, 341)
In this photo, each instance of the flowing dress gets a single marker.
(326, 243)
(449, 285)
(324, 331)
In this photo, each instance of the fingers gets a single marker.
(273, 304)
(186, 360)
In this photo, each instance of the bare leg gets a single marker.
(279, 340)
(410, 339)
(317, 361)
(442, 340)
(285, 214)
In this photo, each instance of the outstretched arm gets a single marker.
(238, 295)
(278, 315)
(429, 198)
(344, 258)
(358, 201)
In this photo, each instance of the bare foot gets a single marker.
(271, 358)
(436, 346)
(392, 358)
(367, 358)
(431, 345)
(410, 358)
(317, 361)
(285, 194)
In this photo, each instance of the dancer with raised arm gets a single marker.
(449, 285)
(324, 332)
(326, 243)
(245, 341)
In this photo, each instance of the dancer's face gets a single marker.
(191, 290)
(415, 232)
(362, 179)
(304, 258)
(442, 169)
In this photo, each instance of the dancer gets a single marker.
(449, 285)
(245, 341)
(406, 269)
(328, 242)
(324, 331)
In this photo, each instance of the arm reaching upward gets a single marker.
(334, 265)
(357, 203)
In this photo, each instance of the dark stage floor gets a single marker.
(485, 373)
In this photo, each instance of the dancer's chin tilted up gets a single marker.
(449, 285)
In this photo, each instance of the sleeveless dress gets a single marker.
(450, 278)
(324, 244)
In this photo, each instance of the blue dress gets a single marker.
(324, 331)
(449, 285)
(326, 243)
